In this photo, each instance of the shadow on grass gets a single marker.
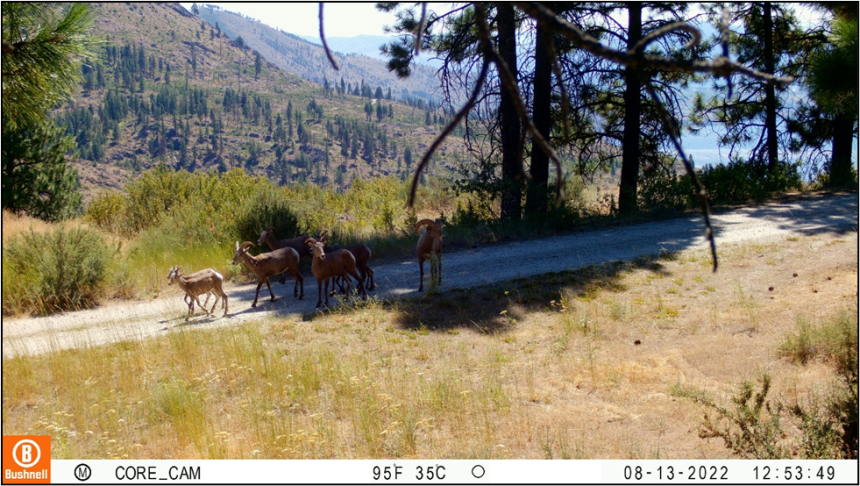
(493, 309)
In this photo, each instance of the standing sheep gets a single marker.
(340, 263)
(199, 283)
(265, 265)
(430, 246)
(362, 253)
(297, 243)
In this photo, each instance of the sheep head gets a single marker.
(173, 274)
(434, 228)
(268, 233)
(240, 250)
(316, 247)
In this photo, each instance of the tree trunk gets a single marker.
(770, 91)
(536, 198)
(509, 121)
(843, 138)
(627, 203)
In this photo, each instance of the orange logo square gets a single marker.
(26, 459)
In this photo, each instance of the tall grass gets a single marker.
(238, 393)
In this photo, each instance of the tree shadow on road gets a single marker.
(493, 309)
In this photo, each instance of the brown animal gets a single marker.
(340, 263)
(430, 245)
(361, 252)
(197, 284)
(265, 265)
(297, 243)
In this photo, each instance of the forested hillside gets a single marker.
(166, 87)
(308, 60)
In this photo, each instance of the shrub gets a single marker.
(267, 208)
(107, 211)
(662, 190)
(737, 181)
(63, 269)
(828, 426)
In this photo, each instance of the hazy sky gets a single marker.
(348, 19)
(341, 19)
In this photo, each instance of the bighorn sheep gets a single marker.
(430, 244)
(297, 243)
(197, 284)
(265, 265)
(361, 252)
(340, 263)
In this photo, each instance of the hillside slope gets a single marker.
(167, 88)
(308, 61)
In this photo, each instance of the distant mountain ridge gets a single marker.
(366, 45)
(307, 59)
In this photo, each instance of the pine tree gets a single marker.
(43, 44)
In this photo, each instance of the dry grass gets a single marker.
(571, 365)
(14, 224)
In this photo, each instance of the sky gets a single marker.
(349, 19)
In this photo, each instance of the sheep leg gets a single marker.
(217, 298)
(372, 283)
(421, 266)
(440, 269)
(337, 280)
(257, 295)
(319, 291)
(360, 279)
(269, 285)
(259, 285)
(299, 280)
(223, 302)
(348, 284)
(326, 291)
(202, 306)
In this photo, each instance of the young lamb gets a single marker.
(199, 283)
(297, 243)
(429, 245)
(265, 265)
(338, 263)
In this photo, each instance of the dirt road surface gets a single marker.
(124, 320)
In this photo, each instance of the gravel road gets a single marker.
(123, 320)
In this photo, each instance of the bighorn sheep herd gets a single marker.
(327, 263)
